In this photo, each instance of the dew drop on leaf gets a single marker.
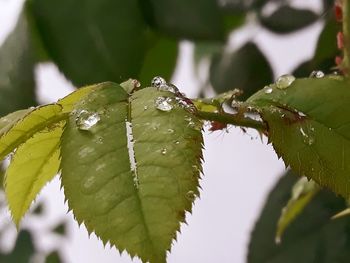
(168, 87)
(164, 151)
(164, 103)
(268, 89)
(171, 131)
(318, 74)
(284, 81)
(86, 120)
(157, 82)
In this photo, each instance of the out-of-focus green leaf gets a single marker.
(287, 19)
(246, 69)
(92, 41)
(39, 209)
(160, 60)
(325, 53)
(302, 193)
(17, 70)
(33, 165)
(60, 229)
(312, 237)
(142, 187)
(53, 257)
(23, 251)
(308, 125)
(199, 19)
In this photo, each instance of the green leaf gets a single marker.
(23, 251)
(132, 193)
(246, 69)
(325, 53)
(34, 164)
(53, 257)
(35, 121)
(302, 193)
(199, 19)
(17, 70)
(312, 237)
(160, 60)
(287, 19)
(309, 127)
(92, 41)
(11, 119)
(60, 229)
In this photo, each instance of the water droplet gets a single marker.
(171, 131)
(190, 195)
(308, 137)
(86, 120)
(164, 103)
(318, 74)
(157, 82)
(284, 81)
(268, 89)
(177, 142)
(164, 151)
(168, 87)
(145, 108)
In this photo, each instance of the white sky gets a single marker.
(239, 171)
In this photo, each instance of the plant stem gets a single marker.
(346, 33)
(234, 119)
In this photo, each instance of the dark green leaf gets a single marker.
(23, 251)
(92, 41)
(287, 19)
(160, 60)
(246, 69)
(312, 237)
(308, 125)
(199, 19)
(144, 203)
(53, 257)
(17, 70)
(60, 229)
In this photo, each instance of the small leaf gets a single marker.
(246, 69)
(140, 176)
(311, 237)
(35, 121)
(309, 127)
(199, 19)
(287, 19)
(34, 164)
(302, 193)
(107, 38)
(17, 84)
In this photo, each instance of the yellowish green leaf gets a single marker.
(33, 122)
(34, 164)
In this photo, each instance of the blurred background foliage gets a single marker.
(112, 40)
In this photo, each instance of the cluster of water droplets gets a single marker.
(85, 120)
(168, 103)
